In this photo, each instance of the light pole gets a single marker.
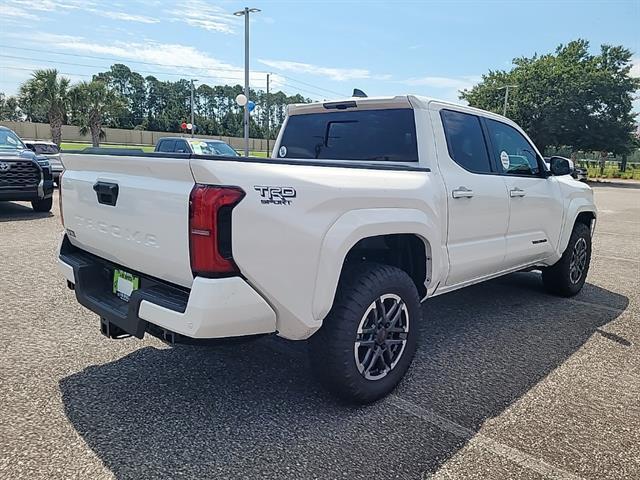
(246, 13)
(506, 97)
(193, 118)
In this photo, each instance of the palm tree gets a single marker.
(92, 103)
(48, 93)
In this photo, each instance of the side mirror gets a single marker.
(561, 166)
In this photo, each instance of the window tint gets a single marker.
(371, 135)
(167, 146)
(514, 153)
(465, 141)
(182, 147)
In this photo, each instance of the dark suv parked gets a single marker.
(24, 176)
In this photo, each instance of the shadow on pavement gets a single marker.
(613, 183)
(11, 212)
(254, 410)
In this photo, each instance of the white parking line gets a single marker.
(473, 438)
(483, 442)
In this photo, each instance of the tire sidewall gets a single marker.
(398, 283)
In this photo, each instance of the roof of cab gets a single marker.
(214, 140)
(386, 102)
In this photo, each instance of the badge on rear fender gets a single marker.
(272, 195)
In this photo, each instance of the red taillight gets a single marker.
(60, 197)
(210, 229)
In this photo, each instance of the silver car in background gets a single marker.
(49, 150)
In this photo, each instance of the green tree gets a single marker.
(47, 93)
(9, 108)
(93, 103)
(567, 98)
(131, 87)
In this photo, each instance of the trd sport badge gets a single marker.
(275, 195)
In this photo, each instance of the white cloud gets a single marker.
(200, 14)
(127, 17)
(635, 67)
(338, 74)
(167, 59)
(15, 12)
(53, 5)
(18, 8)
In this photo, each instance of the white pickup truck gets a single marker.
(367, 207)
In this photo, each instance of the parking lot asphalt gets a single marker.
(508, 382)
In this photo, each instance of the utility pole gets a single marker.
(246, 13)
(193, 118)
(506, 97)
(268, 114)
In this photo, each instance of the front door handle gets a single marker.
(462, 192)
(516, 192)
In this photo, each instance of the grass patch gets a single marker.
(614, 172)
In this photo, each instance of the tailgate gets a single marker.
(142, 218)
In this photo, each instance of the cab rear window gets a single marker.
(362, 135)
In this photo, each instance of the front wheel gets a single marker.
(566, 278)
(43, 205)
(367, 341)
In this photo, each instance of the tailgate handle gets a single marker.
(107, 193)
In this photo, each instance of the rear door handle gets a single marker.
(462, 192)
(516, 192)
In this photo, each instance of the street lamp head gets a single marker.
(241, 13)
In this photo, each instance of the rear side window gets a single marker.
(513, 151)
(465, 141)
(167, 146)
(365, 135)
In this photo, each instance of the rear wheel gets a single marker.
(43, 205)
(566, 278)
(368, 340)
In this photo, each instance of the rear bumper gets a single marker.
(213, 308)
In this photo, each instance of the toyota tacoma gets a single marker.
(367, 207)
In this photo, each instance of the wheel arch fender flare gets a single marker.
(575, 208)
(356, 225)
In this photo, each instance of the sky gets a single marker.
(321, 49)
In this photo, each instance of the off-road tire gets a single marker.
(560, 279)
(332, 348)
(43, 205)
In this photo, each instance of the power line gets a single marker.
(294, 87)
(310, 85)
(111, 59)
(106, 67)
(116, 59)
